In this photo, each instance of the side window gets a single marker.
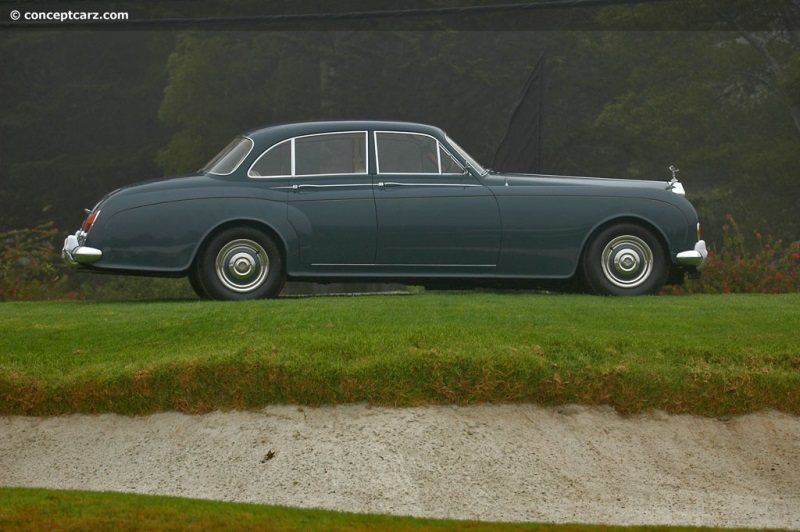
(410, 153)
(449, 164)
(333, 153)
(407, 153)
(276, 161)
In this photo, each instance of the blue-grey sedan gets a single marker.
(386, 202)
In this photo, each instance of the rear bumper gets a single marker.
(75, 253)
(695, 257)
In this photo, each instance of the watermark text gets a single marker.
(67, 16)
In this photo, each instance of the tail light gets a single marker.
(699, 232)
(89, 221)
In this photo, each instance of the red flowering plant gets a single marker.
(29, 265)
(765, 266)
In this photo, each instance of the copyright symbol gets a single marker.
(15, 15)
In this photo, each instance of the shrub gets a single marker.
(761, 265)
(30, 267)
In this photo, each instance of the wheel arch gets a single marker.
(238, 223)
(619, 220)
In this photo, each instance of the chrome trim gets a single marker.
(675, 185)
(75, 253)
(372, 265)
(294, 156)
(627, 261)
(381, 185)
(246, 155)
(285, 176)
(327, 134)
(439, 145)
(337, 185)
(242, 265)
(696, 257)
(469, 159)
(674, 172)
(395, 184)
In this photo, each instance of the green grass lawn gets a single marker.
(30, 509)
(708, 355)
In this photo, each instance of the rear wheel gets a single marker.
(625, 259)
(239, 263)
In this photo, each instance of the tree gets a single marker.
(223, 84)
(719, 104)
(78, 120)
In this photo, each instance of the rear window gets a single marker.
(230, 158)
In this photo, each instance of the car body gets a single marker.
(384, 201)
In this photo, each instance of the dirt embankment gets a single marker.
(498, 463)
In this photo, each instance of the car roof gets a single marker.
(278, 132)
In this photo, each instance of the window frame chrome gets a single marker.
(238, 164)
(294, 173)
(439, 145)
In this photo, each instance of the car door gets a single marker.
(331, 204)
(430, 212)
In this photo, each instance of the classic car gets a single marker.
(383, 201)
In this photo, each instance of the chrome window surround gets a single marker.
(439, 145)
(291, 156)
(236, 166)
(294, 158)
(478, 167)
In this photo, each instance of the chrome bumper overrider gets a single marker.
(75, 253)
(696, 257)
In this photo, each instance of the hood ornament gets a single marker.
(675, 185)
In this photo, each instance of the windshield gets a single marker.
(230, 158)
(472, 162)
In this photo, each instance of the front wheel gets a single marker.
(239, 263)
(625, 259)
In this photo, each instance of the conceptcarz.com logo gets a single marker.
(66, 16)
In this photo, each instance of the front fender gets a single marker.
(545, 236)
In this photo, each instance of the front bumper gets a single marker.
(75, 253)
(696, 257)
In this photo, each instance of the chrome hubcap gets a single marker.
(242, 265)
(627, 261)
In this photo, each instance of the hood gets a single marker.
(567, 182)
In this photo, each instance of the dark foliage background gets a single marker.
(710, 86)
